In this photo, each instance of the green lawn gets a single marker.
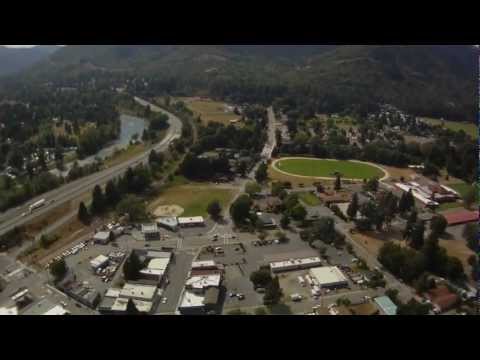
(470, 128)
(309, 199)
(327, 168)
(194, 199)
(462, 189)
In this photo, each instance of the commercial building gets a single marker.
(168, 222)
(139, 292)
(386, 305)
(114, 304)
(200, 284)
(295, 264)
(204, 265)
(99, 262)
(196, 221)
(46, 308)
(102, 237)
(156, 269)
(150, 232)
(329, 277)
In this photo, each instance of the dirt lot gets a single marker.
(397, 173)
(373, 241)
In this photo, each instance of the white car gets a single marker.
(296, 297)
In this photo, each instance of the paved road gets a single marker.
(405, 293)
(71, 191)
(272, 138)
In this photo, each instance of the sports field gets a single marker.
(318, 168)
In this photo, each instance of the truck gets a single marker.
(37, 205)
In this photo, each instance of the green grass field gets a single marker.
(327, 168)
(309, 199)
(194, 199)
(211, 111)
(462, 189)
(470, 128)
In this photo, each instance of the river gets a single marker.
(130, 125)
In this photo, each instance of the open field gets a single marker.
(373, 241)
(470, 128)
(458, 248)
(318, 168)
(462, 188)
(275, 175)
(309, 199)
(211, 111)
(194, 199)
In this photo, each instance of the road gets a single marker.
(13, 218)
(272, 138)
(405, 293)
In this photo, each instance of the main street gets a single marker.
(13, 218)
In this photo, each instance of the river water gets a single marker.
(130, 125)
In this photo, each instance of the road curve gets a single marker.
(12, 218)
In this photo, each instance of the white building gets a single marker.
(329, 277)
(99, 262)
(156, 268)
(139, 292)
(102, 237)
(202, 283)
(204, 265)
(151, 232)
(295, 264)
(191, 221)
(169, 223)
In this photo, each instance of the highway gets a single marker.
(13, 218)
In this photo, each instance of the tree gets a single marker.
(407, 202)
(261, 278)
(240, 209)
(353, 207)
(470, 234)
(273, 292)
(285, 221)
(262, 173)
(372, 185)
(134, 207)
(338, 183)
(324, 230)
(417, 234)
(299, 213)
(412, 219)
(83, 214)
(470, 196)
(242, 168)
(58, 270)
(132, 308)
(132, 267)
(413, 307)
(112, 196)
(252, 188)
(98, 201)
(214, 209)
(438, 225)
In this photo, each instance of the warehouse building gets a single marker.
(102, 237)
(99, 262)
(295, 264)
(329, 277)
(197, 221)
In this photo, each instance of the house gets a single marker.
(461, 217)
(442, 298)
(266, 221)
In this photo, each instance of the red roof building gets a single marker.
(461, 217)
(443, 298)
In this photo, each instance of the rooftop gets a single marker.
(190, 220)
(190, 299)
(45, 307)
(143, 292)
(202, 282)
(295, 262)
(102, 235)
(386, 305)
(198, 265)
(150, 228)
(461, 217)
(328, 275)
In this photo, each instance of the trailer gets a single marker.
(37, 205)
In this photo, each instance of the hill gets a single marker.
(437, 81)
(14, 60)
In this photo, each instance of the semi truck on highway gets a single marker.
(37, 205)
